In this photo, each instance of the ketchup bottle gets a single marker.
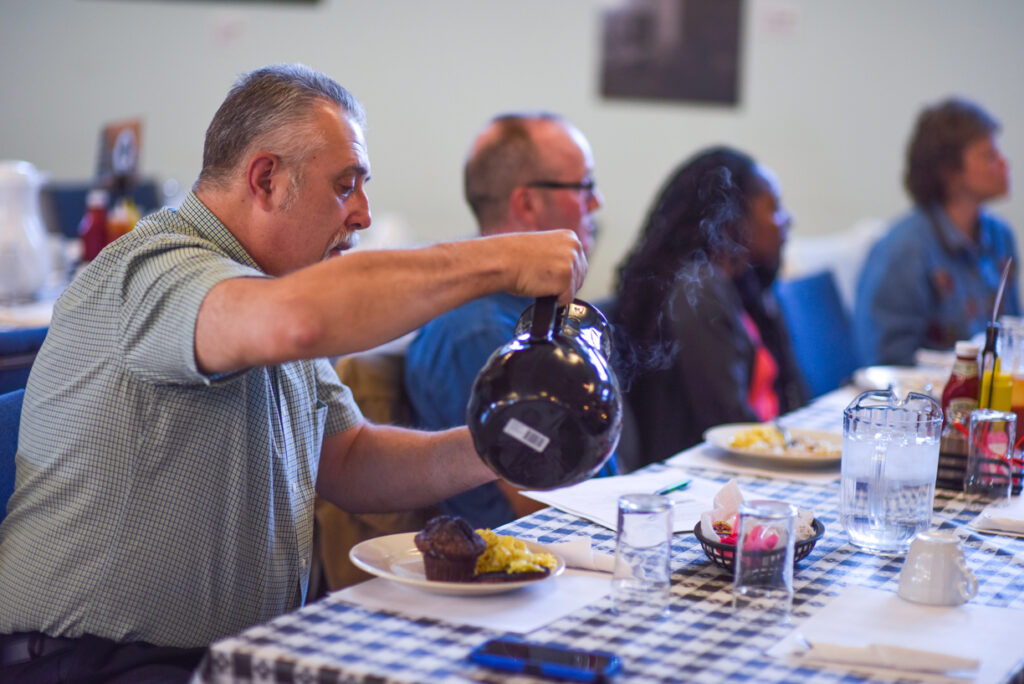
(962, 388)
(93, 227)
(959, 398)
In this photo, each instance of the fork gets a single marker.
(787, 439)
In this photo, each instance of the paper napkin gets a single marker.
(520, 611)
(882, 656)
(876, 632)
(1002, 519)
(579, 553)
(597, 499)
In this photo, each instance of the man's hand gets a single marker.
(550, 262)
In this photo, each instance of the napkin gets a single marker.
(890, 657)
(34, 315)
(597, 499)
(876, 632)
(520, 611)
(578, 553)
(725, 509)
(1002, 518)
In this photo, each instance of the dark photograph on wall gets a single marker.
(672, 50)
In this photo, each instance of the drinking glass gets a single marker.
(890, 457)
(1011, 358)
(763, 577)
(642, 555)
(989, 448)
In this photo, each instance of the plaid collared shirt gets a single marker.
(154, 502)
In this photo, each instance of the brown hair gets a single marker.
(508, 159)
(937, 145)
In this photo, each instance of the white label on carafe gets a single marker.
(522, 432)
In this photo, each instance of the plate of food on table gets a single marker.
(767, 443)
(902, 379)
(449, 557)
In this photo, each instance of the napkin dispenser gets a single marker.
(546, 410)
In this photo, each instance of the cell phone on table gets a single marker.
(546, 660)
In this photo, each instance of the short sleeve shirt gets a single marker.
(153, 502)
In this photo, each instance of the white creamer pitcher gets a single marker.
(24, 250)
(890, 456)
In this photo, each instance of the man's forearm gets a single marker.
(361, 300)
(380, 468)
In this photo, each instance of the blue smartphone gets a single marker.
(546, 660)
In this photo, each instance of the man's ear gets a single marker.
(261, 176)
(523, 207)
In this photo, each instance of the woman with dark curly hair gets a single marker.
(697, 326)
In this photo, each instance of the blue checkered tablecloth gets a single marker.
(702, 640)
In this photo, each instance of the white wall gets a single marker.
(829, 91)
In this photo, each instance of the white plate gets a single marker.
(395, 557)
(902, 379)
(722, 435)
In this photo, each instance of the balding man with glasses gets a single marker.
(524, 172)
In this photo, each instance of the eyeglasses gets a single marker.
(582, 186)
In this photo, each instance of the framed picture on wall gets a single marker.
(686, 50)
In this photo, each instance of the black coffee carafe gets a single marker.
(546, 411)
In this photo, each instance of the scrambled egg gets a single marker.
(767, 439)
(507, 554)
(762, 437)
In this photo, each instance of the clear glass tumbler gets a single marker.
(762, 576)
(643, 544)
(989, 448)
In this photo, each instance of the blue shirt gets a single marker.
(925, 285)
(153, 502)
(440, 366)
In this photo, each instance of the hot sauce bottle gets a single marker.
(93, 227)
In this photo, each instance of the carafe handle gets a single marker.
(544, 315)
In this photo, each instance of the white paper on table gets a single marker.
(597, 499)
(1007, 519)
(32, 315)
(706, 456)
(860, 616)
(520, 611)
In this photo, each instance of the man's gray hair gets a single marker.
(271, 107)
(508, 159)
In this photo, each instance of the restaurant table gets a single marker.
(702, 640)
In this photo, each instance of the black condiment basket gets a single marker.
(723, 555)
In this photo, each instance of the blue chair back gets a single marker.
(17, 353)
(10, 417)
(820, 329)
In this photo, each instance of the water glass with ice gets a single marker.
(889, 461)
(641, 582)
